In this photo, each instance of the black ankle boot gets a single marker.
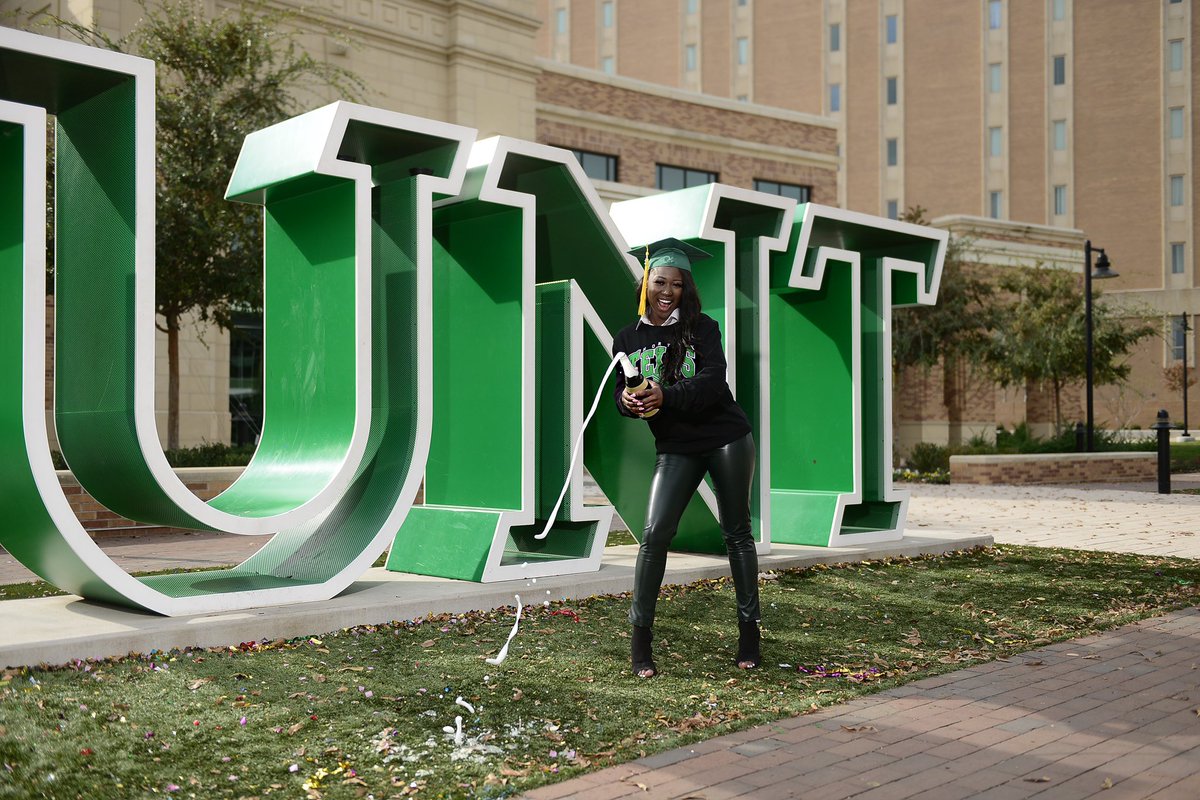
(748, 645)
(642, 658)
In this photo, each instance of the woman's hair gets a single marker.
(680, 335)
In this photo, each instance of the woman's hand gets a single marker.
(652, 397)
(646, 400)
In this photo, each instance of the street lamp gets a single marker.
(1184, 327)
(1103, 270)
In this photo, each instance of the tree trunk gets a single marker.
(952, 399)
(172, 382)
(1057, 406)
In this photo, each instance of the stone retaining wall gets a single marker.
(1050, 468)
(205, 482)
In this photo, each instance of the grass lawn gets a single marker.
(363, 711)
(39, 588)
(1185, 456)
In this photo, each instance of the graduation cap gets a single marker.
(669, 252)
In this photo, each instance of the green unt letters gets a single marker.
(369, 283)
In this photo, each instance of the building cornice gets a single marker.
(987, 228)
(509, 19)
(458, 54)
(1002, 243)
(1168, 302)
(671, 93)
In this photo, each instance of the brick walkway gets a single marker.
(1113, 716)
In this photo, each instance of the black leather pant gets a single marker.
(676, 478)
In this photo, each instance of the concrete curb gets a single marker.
(56, 630)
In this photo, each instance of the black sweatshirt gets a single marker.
(698, 412)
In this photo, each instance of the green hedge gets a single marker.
(205, 455)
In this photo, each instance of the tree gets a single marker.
(1041, 335)
(219, 79)
(955, 331)
(957, 325)
(1173, 377)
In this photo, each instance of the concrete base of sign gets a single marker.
(55, 630)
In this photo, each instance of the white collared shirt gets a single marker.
(671, 320)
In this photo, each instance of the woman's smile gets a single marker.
(665, 291)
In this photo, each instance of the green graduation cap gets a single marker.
(669, 252)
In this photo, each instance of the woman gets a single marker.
(698, 429)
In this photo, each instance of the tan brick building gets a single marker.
(1028, 124)
(1072, 114)
(643, 128)
(476, 63)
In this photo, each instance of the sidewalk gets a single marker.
(1128, 519)
(1109, 716)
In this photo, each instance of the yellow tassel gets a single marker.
(645, 280)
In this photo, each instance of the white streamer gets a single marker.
(464, 704)
(579, 445)
(503, 654)
(456, 730)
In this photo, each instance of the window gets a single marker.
(893, 209)
(246, 377)
(1176, 122)
(1176, 190)
(1060, 200)
(835, 97)
(799, 193)
(995, 204)
(835, 37)
(671, 178)
(606, 13)
(608, 65)
(1059, 9)
(893, 152)
(743, 50)
(743, 98)
(892, 91)
(1175, 54)
(1176, 258)
(693, 6)
(1177, 337)
(995, 78)
(597, 166)
(560, 21)
(995, 14)
(743, 2)
(995, 142)
(1060, 70)
(1059, 134)
(1173, 2)
(891, 28)
(689, 58)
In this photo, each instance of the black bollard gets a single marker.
(1079, 437)
(1163, 426)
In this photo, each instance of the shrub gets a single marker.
(211, 454)
(927, 457)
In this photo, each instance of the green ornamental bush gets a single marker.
(927, 457)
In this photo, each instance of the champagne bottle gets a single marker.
(635, 381)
